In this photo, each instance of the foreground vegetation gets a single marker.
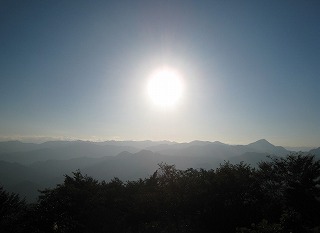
(281, 195)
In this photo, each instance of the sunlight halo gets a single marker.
(165, 87)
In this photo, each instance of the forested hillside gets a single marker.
(280, 195)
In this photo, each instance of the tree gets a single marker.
(292, 185)
(68, 207)
(232, 195)
(282, 195)
(12, 212)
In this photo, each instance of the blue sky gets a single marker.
(79, 70)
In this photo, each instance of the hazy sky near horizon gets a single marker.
(79, 70)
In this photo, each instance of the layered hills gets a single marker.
(27, 167)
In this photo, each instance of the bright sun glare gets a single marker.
(165, 87)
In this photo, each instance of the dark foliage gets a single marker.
(291, 188)
(279, 196)
(12, 212)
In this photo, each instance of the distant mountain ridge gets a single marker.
(28, 153)
(315, 152)
(27, 167)
(264, 146)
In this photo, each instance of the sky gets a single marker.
(79, 70)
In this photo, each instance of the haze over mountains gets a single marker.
(27, 167)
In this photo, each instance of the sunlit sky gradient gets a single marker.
(79, 70)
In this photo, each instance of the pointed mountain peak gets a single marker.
(261, 142)
(263, 145)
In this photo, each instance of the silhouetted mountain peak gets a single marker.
(261, 142)
(144, 153)
(263, 145)
(219, 143)
(124, 154)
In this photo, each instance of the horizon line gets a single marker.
(44, 139)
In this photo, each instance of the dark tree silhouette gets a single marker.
(12, 212)
(281, 195)
(292, 190)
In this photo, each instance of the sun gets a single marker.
(165, 87)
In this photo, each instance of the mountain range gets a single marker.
(28, 167)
